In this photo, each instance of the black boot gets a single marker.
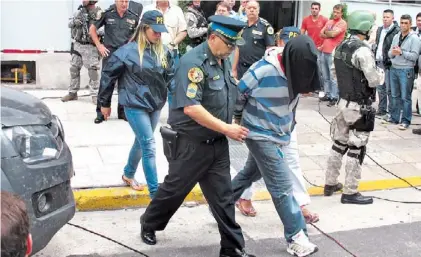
(99, 118)
(356, 198)
(332, 102)
(324, 99)
(229, 252)
(417, 131)
(148, 236)
(329, 190)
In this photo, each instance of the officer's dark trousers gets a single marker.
(208, 164)
(120, 108)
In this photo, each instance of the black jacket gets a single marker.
(143, 87)
(386, 44)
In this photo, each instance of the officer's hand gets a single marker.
(236, 132)
(106, 112)
(103, 50)
(235, 74)
(77, 22)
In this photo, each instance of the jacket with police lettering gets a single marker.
(140, 86)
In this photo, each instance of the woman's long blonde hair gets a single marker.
(158, 47)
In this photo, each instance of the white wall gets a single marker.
(398, 8)
(40, 24)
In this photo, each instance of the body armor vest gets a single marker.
(81, 33)
(352, 84)
(201, 23)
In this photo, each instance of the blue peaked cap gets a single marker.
(228, 27)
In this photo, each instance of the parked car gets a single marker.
(36, 163)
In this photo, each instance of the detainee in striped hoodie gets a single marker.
(266, 105)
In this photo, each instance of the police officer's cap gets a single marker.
(287, 33)
(228, 27)
(155, 20)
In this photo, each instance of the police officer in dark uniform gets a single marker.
(196, 145)
(258, 35)
(120, 23)
(197, 25)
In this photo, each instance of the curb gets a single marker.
(123, 197)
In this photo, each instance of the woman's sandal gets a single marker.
(132, 183)
(249, 212)
(310, 217)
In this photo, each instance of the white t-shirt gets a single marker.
(174, 21)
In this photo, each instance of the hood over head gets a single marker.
(300, 61)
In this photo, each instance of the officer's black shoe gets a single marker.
(148, 236)
(356, 198)
(324, 99)
(99, 118)
(416, 131)
(230, 252)
(332, 102)
(329, 190)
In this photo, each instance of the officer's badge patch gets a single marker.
(270, 30)
(131, 21)
(195, 75)
(216, 77)
(191, 90)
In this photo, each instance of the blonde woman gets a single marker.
(144, 69)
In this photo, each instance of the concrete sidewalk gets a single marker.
(100, 152)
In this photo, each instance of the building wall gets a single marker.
(42, 25)
(379, 6)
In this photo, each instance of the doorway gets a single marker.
(278, 13)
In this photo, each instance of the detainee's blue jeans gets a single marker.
(266, 160)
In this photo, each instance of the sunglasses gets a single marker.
(228, 43)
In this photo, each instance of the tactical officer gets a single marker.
(197, 25)
(357, 76)
(83, 50)
(258, 35)
(196, 145)
(120, 24)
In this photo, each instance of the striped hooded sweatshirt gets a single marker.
(263, 103)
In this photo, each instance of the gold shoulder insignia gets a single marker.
(191, 90)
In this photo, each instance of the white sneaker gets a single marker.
(301, 246)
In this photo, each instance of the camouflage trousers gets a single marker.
(90, 59)
(346, 140)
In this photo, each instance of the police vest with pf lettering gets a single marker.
(352, 84)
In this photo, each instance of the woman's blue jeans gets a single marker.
(143, 124)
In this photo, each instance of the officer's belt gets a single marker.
(348, 104)
(199, 141)
(84, 43)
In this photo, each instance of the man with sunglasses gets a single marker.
(196, 145)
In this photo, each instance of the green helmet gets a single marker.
(361, 21)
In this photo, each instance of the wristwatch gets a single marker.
(172, 44)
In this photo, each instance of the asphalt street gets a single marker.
(382, 229)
